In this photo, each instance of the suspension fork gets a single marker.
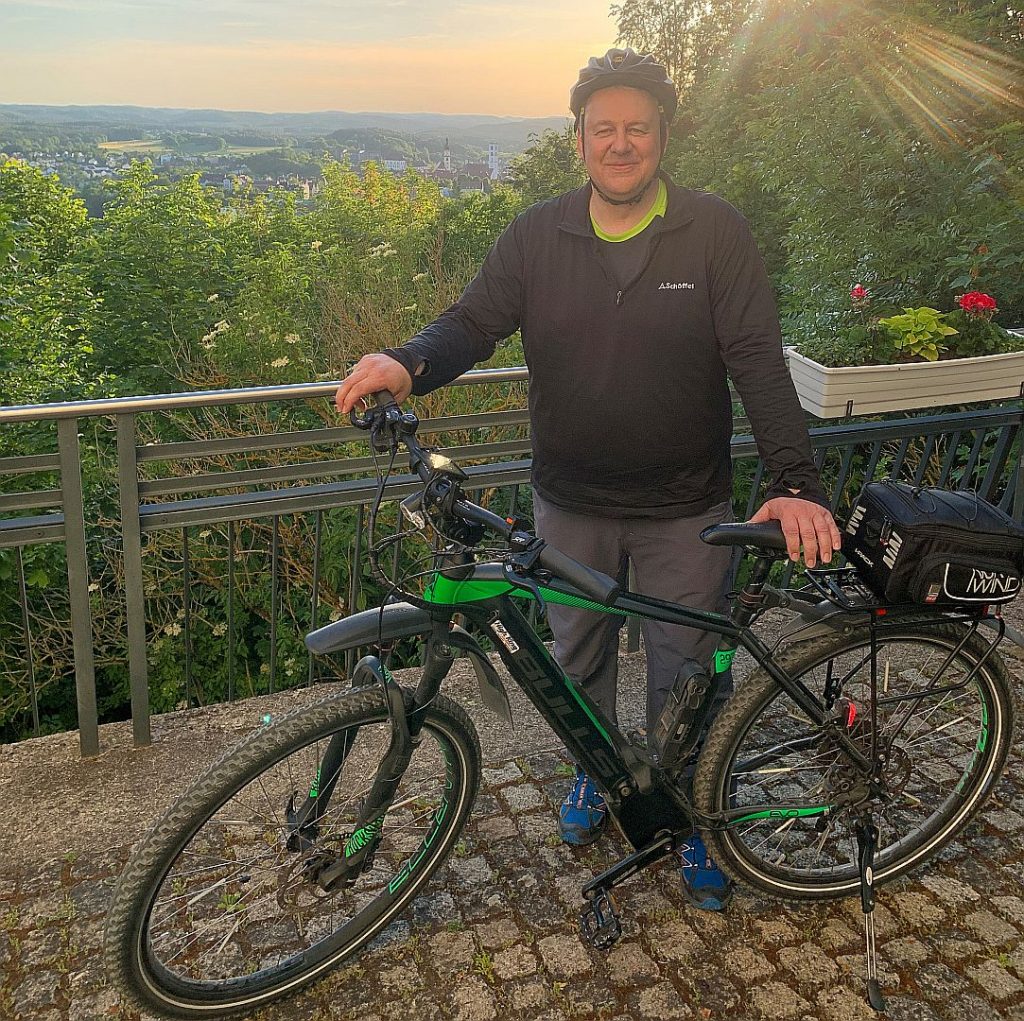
(406, 724)
(303, 822)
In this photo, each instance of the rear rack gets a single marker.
(843, 588)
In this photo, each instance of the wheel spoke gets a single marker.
(240, 905)
(933, 752)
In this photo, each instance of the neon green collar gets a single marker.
(658, 209)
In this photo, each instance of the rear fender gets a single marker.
(1009, 631)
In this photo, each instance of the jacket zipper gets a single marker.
(651, 250)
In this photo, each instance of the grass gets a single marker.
(134, 145)
(484, 965)
(152, 145)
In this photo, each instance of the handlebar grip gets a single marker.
(593, 584)
(382, 398)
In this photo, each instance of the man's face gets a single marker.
(620, 143)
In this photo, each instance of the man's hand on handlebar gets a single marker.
(371, 374)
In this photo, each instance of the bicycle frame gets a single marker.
(636, 787)
(643, 797)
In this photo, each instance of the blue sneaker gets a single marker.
(703, 883)
(583, 814)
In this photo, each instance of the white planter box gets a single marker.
(871, 389)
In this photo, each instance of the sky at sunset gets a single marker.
(444, 56)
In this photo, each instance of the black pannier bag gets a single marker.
(922, 545)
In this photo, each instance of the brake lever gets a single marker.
(526, 549)
(362, 421)
(514, 577)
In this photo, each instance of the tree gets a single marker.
(47, 309)
(691, 37)
(868, 142)
(548, 167)
(161, 251)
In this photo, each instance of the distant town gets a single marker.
(235, 177)
(232, 172)
(240, 155)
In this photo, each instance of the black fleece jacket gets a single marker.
(629, 404)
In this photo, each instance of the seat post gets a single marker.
(748, 601)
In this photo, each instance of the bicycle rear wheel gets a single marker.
(763, 751)
(216, 912)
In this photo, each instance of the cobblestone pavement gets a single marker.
(495, 935)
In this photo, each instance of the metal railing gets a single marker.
(164, 492)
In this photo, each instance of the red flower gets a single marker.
(977, 303)
(858, 292)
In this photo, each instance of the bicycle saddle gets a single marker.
(765, 535)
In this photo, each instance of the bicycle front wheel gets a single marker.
(218, 910)
(944, 751)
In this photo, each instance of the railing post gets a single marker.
(134, 592)
(1018, 489)
(78, 583)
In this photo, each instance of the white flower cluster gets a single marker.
(381, 251)
(210, 340)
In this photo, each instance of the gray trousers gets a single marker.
(670, 562)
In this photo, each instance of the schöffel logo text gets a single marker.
(992, 583)
(669, 286)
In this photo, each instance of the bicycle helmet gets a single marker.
(624, 68)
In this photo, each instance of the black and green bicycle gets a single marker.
(864, 741)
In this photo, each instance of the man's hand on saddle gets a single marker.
(805, 524)
(372, 373)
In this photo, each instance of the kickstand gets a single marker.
(867, 840)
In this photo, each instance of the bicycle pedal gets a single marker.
(599, 921)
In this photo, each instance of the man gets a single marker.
(634, 298)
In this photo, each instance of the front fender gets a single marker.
(403, 620)
(371, 627)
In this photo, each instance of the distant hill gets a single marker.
(511, 134)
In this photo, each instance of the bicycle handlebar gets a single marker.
(593, 584)
(599, 587)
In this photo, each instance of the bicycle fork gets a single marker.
(328, 869)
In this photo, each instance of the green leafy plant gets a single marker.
(919, 332)
(230, 902)
(483, 964)
(873, 332)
